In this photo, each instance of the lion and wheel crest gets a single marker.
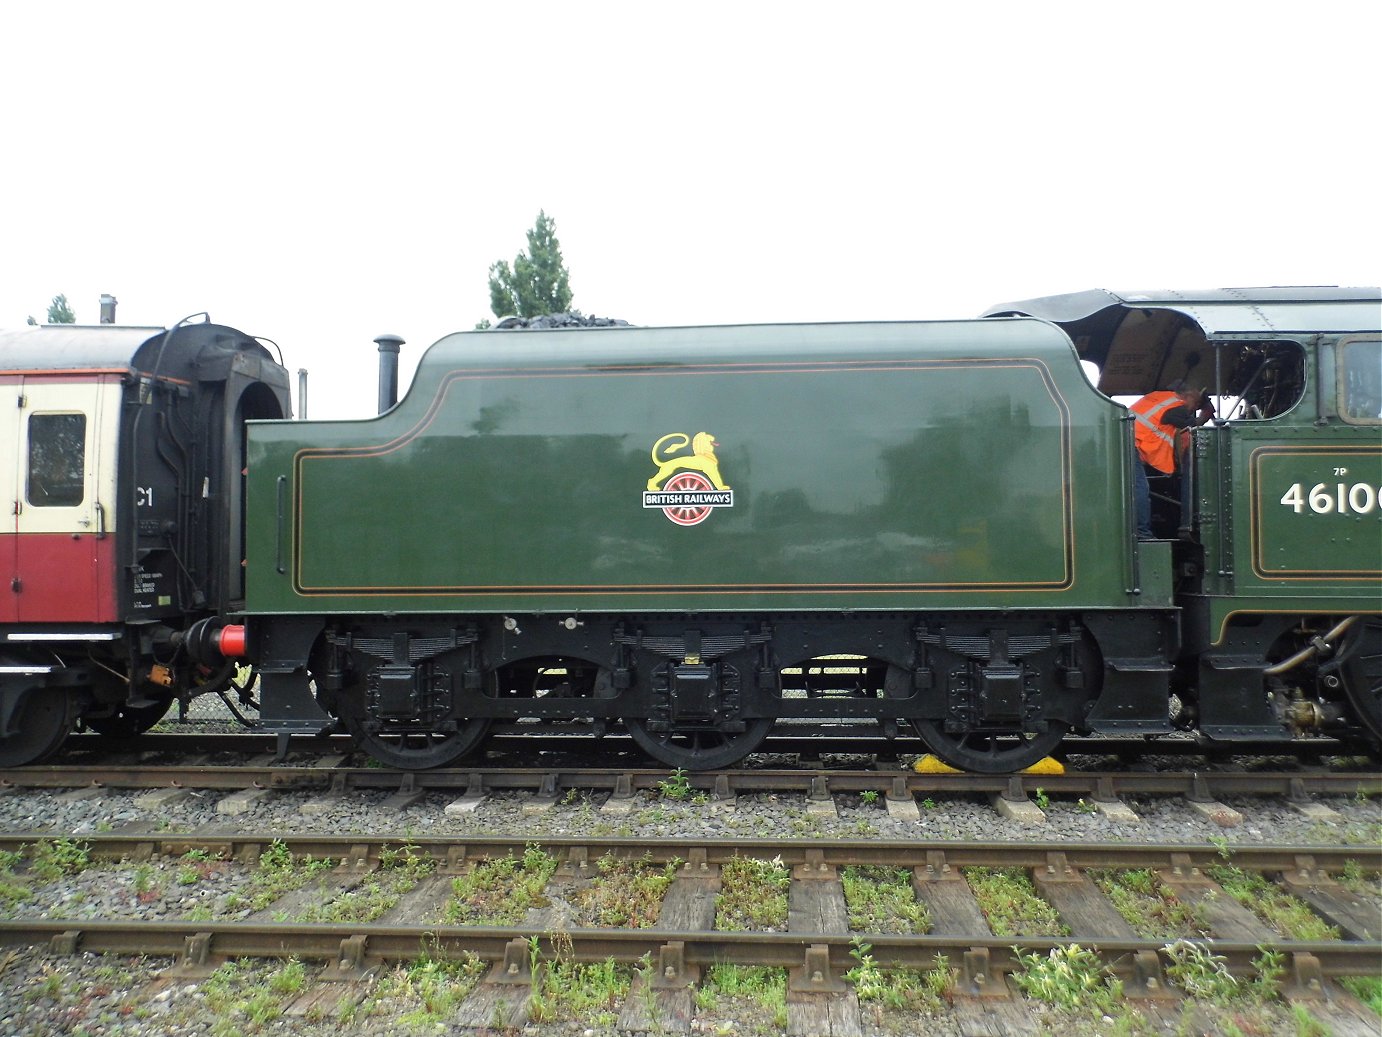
(687, 486)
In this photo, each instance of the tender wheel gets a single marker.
(699, 750)
(129, 721)
(413, 750)
(41, 723)
(1361, 670)
(988, 753)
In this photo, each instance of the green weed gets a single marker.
(1149, 905)
(279, 873)
(880, 900)
(1200, 972)
(501, 891)
(1069, 977)
(1010, 903)
(900, 989)
(1287, 914)
(587, 992)
(54, 858)
(435, 986)
(763, 987)
(753, 895)
(626, 894)
(676, 785)
(1367, 989)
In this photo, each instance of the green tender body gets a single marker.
(871, 466)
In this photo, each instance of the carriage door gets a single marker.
(11, 487)
(64, 516)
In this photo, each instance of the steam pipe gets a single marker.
(1318, 644)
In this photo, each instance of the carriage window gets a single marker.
(57, 460)
(1360, 382)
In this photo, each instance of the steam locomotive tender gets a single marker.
(122, 456)
(694, 534)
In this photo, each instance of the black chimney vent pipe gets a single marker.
(388, 370)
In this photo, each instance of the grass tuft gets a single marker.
(753, 895)
(1010, 903)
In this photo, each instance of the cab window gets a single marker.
(1360, 382)
(57, 460)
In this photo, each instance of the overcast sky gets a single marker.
(324, 173)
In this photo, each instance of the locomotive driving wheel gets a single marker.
(699, 749)
(988, 752)
(413, 748)
(1361, 669)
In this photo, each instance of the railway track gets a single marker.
(897, 790)
(212, 806)
(815, 940)
(513, 741)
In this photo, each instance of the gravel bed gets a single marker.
(754, 815)
(99, 995)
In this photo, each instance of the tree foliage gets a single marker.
(538, 282)
(59, 312)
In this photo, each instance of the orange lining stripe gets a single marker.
(642, 370)
(1255, 537)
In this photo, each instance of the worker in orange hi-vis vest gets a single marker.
(1160, 416)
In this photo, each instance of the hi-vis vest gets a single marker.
(1156, 443)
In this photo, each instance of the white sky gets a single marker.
(325, 173)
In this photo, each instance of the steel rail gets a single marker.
(835, 742)
(363, 851)
(356, 945)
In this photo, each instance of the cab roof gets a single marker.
(1136, 336)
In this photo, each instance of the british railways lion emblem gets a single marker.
(687, 486)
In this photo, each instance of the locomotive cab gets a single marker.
(1275, 507)
(123, 468)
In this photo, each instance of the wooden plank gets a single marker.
(1357, 917)
(1344, 1015)
(817, 906)
(647, 1010)
(326, 886)
(425, 903)
(1228, 919)
(325, 1001)
(993, 1018)
(954, 911)
(1082, 906)
(689, 904)
(823, 1015)
(494, 1007)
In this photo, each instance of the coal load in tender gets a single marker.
(574, 319)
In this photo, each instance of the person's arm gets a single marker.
(1179, 417)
